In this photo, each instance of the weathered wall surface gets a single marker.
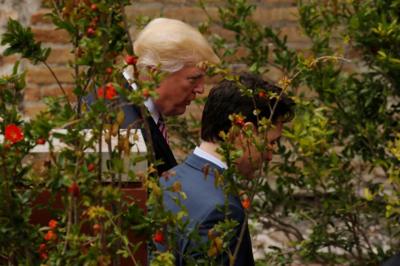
(281, 14)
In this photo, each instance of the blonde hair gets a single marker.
(172, 44)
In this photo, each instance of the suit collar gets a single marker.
(200, 164)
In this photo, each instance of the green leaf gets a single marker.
(20, 40)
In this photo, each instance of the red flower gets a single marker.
(13, 133)
(40, 141)
(131, 59)
(246, 203)
(44, 256)
(262, 94)
(91, 167)
(239, 120)
(96, 228)
(90, 32)
(110, 92)
(74, 190)
(53, 224)
(109, 70)
(50, 235)
(93, 7)
(158, 237)
(42, 247)
(145, 93)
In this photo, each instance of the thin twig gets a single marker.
(242, 230)
(7, 185)
(69, 222)
(100, 149)
(76, 68)
(143, 110)
(58, 82)
(119, 233)
(56, 9)
(285, 226)
(126, 25)
(319, 59)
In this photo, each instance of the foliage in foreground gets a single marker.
(334, 192)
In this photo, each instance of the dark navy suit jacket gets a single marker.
(203, 200)
(162, 151)
(393, 261)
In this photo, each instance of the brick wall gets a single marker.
(281, 14)
(20, 10)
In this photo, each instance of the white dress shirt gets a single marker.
(209, 157)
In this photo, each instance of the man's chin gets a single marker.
(175, 112)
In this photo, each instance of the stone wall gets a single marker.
(281, 14)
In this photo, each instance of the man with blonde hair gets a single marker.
(176, 49)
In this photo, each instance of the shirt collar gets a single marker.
(155, 114)
(209, 157)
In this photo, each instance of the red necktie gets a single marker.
(163, 128)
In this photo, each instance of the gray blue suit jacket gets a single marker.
(203, 200)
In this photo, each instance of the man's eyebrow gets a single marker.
(196, 76)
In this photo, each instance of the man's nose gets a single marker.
(199, 87)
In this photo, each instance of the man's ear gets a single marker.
(240, 135)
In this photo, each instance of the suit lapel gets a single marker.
(161, 148)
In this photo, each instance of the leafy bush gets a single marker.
(334, 193)
(334, 190)
(92, 223)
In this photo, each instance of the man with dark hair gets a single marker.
(197, 174)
